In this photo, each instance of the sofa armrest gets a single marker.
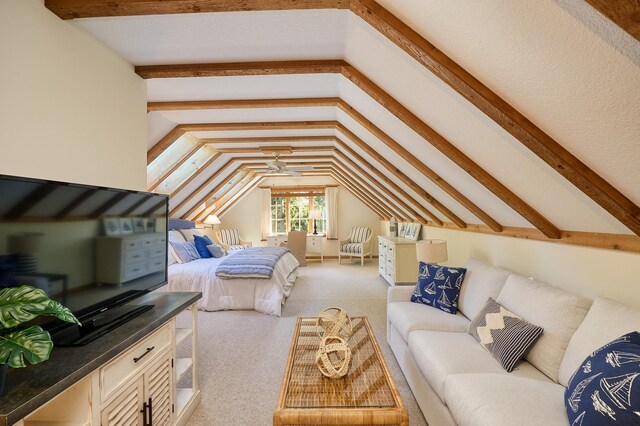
(366, 246)
(399, 293)
(346, 241)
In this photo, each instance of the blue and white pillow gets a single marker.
(201, 246)
(183, 252)
(605, 390)
(439, 286)
(216, 250)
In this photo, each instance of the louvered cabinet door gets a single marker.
(158, 382)
(125, 409)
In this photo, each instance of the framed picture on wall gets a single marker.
(126, 225)
(139, 224)
(111, 226)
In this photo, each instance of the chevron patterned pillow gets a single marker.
(503, 334)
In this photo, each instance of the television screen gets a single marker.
(85, 246)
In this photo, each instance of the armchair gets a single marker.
(358, 244)
(230, 239)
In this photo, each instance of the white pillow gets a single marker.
(176, 236)
(557, 311)
(481, 282)
(606, 320)
(171, 259)
(189, 233)
(184, 252)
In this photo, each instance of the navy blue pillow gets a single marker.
(201, 246)
(605, 390)
(439, 286)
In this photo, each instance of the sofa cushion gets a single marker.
(407, 317)
(441, 354)
(438, 286)
(605, 390)
(506, 336)
(504, 400)
(605, 321)
(481, 282)
(557, 311)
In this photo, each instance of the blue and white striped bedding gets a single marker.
(253, 262)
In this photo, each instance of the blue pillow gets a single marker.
(201, 246)
(439, 286)
(605, 390)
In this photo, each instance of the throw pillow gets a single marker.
(184, 252)
(216, 250)
(439, 286)
(605, 389)
(201, 246)
(503, 334)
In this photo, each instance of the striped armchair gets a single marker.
(230, 239)
(358, 244)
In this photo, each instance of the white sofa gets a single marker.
(456, 382)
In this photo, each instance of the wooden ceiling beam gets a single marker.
(387, 140)
(112, 201)
(223, 196)
(240, 69)
(371, 183)
(183, 159)
(239, 196)
(193, 212)
(265, 150)
(164, 143)
(71, 9)
(500, 111)
(84, 196)
(137, 204)
(246, 182)
(240, 103)
(623, 13)
(269, 139)
(29, 201)
(372, 206)
(195, 174)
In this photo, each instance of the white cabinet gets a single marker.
(397, 262)
(142, 386)
(314, 243)
(125, 258)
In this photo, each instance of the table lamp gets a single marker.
(431, 251)
(212, 220)
(315, 214)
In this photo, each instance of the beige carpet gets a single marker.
(243, 353)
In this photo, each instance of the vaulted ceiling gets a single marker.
(500, 117)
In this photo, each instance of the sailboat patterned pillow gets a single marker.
(503, 334)
(605, 389)
(439, 286)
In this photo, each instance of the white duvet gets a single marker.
(262, 295)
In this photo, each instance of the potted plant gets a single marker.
(19, 342)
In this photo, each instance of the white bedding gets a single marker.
(266, 296)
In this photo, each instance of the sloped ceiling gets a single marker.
(578, 86)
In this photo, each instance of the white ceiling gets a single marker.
(578, 87)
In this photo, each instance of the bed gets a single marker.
(262, 295)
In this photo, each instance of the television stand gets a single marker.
(98, 325)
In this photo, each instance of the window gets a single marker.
(290, 212)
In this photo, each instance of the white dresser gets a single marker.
(314, 243)
(127, 257)
(397, 262)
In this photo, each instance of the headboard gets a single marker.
(175, 224)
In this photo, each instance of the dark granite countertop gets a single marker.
(31, 387)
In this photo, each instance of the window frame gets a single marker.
(287, 195)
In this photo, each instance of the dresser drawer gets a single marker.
(134, 270)
(125, 366)
(131, 244)
(156, 252)
(133, 256)
(156, 264)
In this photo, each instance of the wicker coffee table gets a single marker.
(367, 395)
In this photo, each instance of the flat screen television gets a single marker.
(93, 249)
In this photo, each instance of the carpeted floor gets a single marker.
(243, 353)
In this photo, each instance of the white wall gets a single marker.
(70, 108)
(351, 212)
(585, 270)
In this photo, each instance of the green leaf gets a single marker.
(22, 304)
(32, 344)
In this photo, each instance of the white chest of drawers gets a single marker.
(397, 262)
(314, 243)
(125, 258)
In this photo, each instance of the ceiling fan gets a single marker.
(277, 166)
